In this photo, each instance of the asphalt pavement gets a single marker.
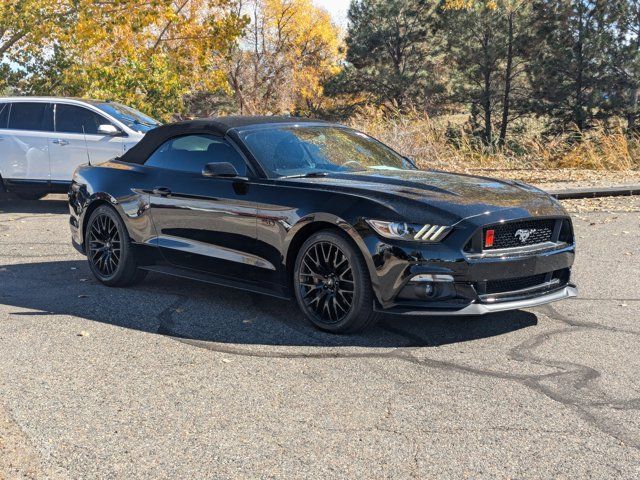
(177, 380)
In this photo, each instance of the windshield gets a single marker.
(315, 150)
(132, 118)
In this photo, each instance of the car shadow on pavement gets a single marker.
(52, 204)
(207, 313)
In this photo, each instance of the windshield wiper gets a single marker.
(146, 124)
(308, 175)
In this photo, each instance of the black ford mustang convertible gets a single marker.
(323, 213)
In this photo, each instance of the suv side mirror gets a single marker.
(220, 169)
(108, 129)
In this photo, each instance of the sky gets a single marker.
(337, 9)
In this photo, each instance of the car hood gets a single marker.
(457, 194)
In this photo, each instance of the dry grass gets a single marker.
(443, 143)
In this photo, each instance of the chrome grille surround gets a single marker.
(521, 233)
(544, 235)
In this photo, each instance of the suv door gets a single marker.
(24, 157)
(77, 140)
(205, 224)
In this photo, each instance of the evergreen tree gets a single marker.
(570, 63)
(487, 41)
(393, 53)
(626, 61)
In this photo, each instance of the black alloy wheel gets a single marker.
(108, 247)
(105, 245)
(332, 283)
(326, 280)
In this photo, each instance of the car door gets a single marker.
(203, 223)
(77, 141)
(24, 150)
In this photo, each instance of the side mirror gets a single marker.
(221, 169)
(108, 129)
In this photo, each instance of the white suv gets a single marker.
(43, 140)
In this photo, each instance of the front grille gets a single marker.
(520, 234)
(513, 284)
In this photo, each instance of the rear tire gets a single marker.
(332, 284)
(109, 252)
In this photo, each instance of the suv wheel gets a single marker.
(332, 284)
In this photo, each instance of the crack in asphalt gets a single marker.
(573, 385)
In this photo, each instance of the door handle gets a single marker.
(61, 142)
(162, 191)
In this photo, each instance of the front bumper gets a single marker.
(476, 284)
(568, 291)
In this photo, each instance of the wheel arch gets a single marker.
(315, 223)
(94, 202)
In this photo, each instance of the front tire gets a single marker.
(109, 251)
(332, 284)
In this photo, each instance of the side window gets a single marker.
(191, 153)
(29, 116)
(4, 115)
(72, 119)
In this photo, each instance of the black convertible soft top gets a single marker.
(217, 126)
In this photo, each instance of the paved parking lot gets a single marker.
(173, 379)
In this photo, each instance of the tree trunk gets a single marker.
(632, 110)
(486, 100)
(507, 84)
(579, 109)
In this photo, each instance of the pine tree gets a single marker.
(392, 53)
(486, 41)
(571, 67)
(626, 61)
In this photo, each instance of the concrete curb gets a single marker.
(577, 193)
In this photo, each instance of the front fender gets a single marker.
(132, 208)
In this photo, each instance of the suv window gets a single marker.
(72, 119)
(4, 115)
(191, 153)
(30, 116)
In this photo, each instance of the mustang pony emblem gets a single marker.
(523, 235)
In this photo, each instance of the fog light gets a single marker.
(428, 289)
(423, 278)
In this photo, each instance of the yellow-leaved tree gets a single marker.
(287, 52)
(26, 24)
(146, 53)
(26, 28)
(151, 54)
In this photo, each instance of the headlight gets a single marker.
(410, 231)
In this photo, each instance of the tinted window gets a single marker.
(192, 152)
(4, 114)
(72, 119)
(29, 116)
